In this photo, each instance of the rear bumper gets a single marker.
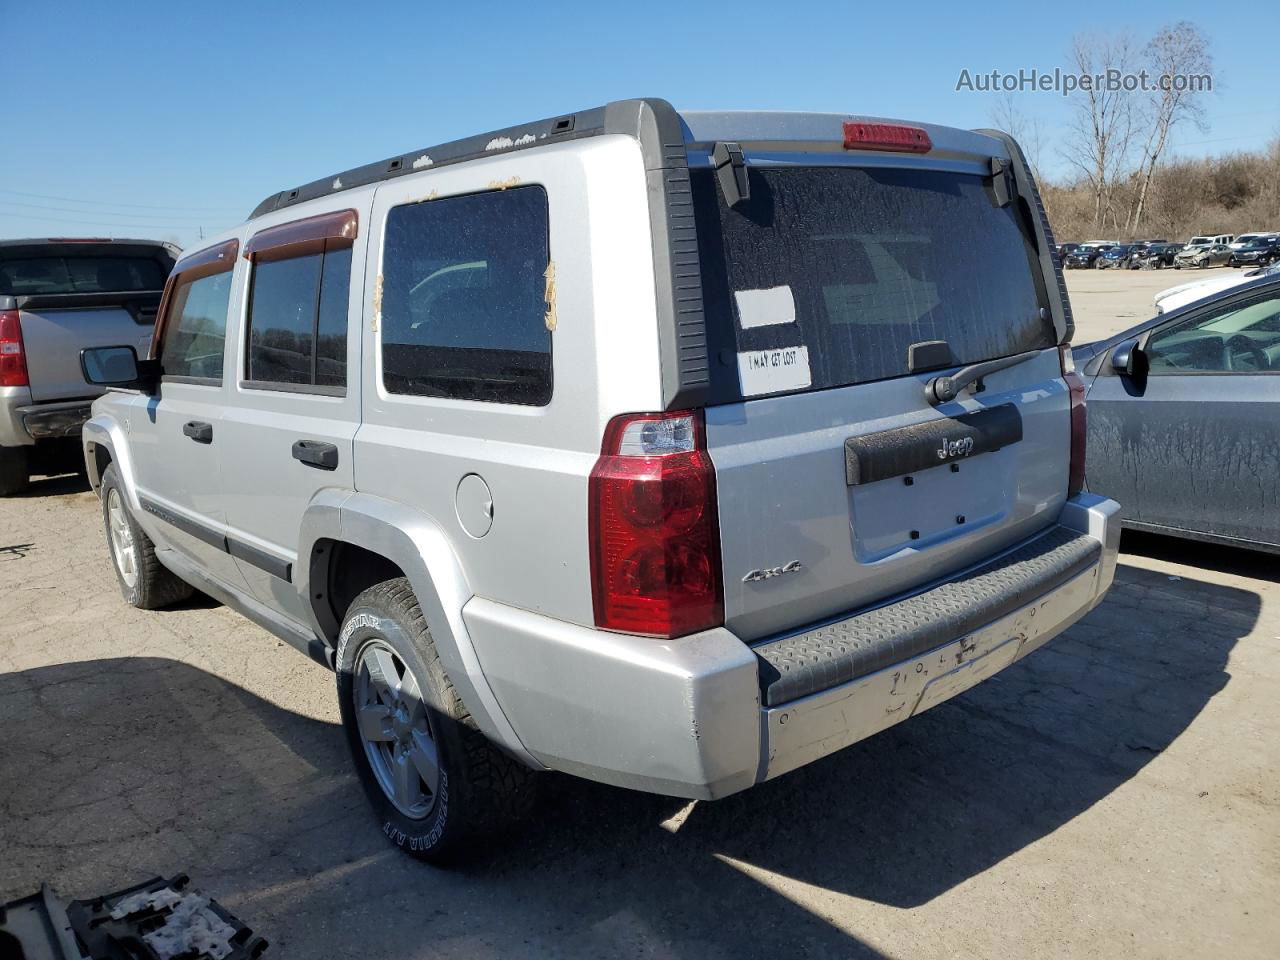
(701, 717)
(23, 422)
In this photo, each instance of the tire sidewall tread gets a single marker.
(482, 790)
(157, 586)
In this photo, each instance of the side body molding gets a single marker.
(417, 545)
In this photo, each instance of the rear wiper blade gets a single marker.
(943, 389)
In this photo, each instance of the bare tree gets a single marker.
(1102, 124)
(1172, 57)
(1027, 130)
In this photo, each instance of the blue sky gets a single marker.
(162, 119)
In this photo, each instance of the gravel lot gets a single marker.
(1108, 301)
(1117, 792)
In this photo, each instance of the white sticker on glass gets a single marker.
(764, 308)
(773, 371)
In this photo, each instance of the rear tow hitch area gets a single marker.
(156, 920)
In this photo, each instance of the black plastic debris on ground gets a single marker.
(157, 920)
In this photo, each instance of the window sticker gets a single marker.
(764, 308)
(773, 371)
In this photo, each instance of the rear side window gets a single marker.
(196, 329)
(297, 320)
(464, 307)
(35, 276)
(827, 275)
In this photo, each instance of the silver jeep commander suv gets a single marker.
(670, 450)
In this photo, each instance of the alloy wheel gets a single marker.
(123, 548)
(396, 729)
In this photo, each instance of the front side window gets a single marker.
(464, 309)
(1240, 339)
(297, 319)
(196, 330)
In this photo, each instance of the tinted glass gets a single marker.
(331, 326)
(197, 327)
(282, 312)
(852, 266)
(463, 298)
(52, 275)
(1242, 339)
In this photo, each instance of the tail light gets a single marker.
(13, 360)
(654, 530)
(1079, 421)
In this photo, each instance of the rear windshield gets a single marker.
(32, 276)
(827, 275)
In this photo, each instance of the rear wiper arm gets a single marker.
(943, 389)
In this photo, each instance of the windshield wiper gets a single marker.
(943, 389)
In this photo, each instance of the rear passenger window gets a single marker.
(297, 319)
(196, 330)
(464, 309)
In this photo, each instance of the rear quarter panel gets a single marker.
(535, 460)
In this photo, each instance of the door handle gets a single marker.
(316, 453)
(199, 432)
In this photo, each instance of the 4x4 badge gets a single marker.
(755, 576)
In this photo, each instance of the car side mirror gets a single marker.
(1128, 359)
(117, 367)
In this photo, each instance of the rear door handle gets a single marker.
(198, 431)
(316, 453)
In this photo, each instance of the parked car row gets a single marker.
(1155, 255)
(1258, 250)
(1248, 249)
(1105, 254)
(1080, 256)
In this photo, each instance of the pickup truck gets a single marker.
(58, 296)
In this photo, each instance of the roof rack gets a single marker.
(622, 116)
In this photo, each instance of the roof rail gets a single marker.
(621, 116)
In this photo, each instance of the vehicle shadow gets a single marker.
(926, 805)
(55, 485)
(1259, 564)
(119, 769)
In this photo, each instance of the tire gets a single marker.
(144, 581)
(479, 791)
(15, 470)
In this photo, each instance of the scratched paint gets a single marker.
(549, 294)
(377, 302)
